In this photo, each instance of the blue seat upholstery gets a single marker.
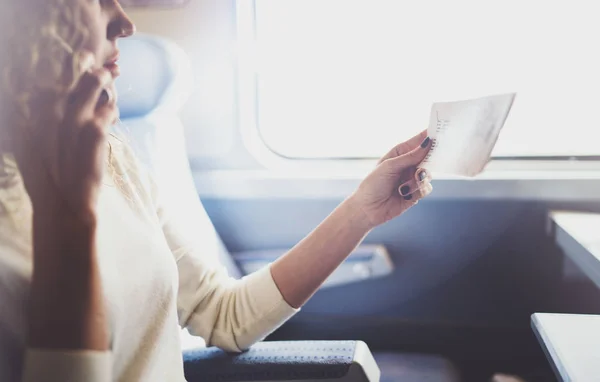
(155, 84)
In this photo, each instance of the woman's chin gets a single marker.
(114, 70)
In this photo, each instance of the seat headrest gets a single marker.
(155, 74)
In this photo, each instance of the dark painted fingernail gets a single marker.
(104, 97)
(422, 175)
(425, 142)
(408, 197)
(404, 190)
(71, 99)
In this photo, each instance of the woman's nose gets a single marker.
(121, 26)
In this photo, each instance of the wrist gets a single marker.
(62, 234)
(67, 306)
(58, 216)
(356, 214)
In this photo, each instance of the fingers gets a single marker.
(82, 186)
(89, 91)
(422, 192)
(405, 147)
(410, 159)
(421, 178)
(424, 189)
(106, 115)
(92, 148)
(107, 109)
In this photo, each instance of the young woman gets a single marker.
(95, 277)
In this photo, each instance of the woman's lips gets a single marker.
(112, 66)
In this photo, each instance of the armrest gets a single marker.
(347, 361)
(364, 263)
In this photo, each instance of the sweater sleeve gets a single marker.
(228, 313)
(67, 366)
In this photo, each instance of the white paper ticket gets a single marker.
(464, 134)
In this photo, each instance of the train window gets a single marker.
(347, 79)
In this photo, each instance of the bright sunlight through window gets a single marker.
(350, 78)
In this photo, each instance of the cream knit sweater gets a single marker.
(156, 277)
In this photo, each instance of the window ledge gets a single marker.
(545, 186)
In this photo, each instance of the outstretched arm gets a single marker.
(234, 314)
(394, 186)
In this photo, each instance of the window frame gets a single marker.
(505, 167)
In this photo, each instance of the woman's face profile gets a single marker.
(106, 22)
(38, 41)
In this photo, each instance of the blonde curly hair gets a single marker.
(40, 49)
(39, 42)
